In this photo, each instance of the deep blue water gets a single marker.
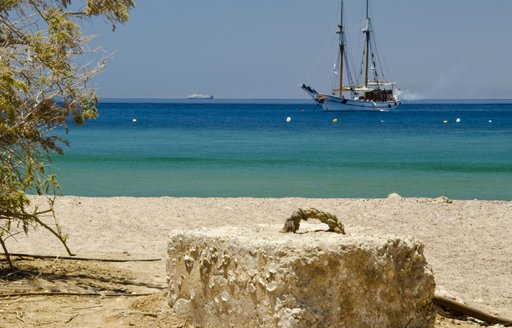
(246, 148)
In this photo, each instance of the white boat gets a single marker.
(371, 93)
(200, 96)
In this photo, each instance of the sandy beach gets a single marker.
(467, 243)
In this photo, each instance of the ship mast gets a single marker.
(367, 31)
(341, 34)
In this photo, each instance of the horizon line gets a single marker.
(309, 99)
(292, 100)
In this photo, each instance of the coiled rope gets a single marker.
(292, 224)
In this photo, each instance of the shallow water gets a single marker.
(245, 148)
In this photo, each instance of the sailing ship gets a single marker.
(372, 93)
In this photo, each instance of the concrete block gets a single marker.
(259, 277)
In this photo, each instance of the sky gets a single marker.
(436, 49)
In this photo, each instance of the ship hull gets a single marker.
(200, 96)
(337, 104)
(331, 103)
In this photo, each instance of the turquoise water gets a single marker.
(246, 148)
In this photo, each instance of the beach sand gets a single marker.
(467, 243)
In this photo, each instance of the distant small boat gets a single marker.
(200, 96)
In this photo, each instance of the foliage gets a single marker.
(41, 88)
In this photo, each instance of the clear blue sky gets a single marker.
(265, 48)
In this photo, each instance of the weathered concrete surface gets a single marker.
(258, 277)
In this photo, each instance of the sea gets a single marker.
(290, 148)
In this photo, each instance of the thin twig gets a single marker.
(55, 233)
(27, 294)
(72, 317)
(148, 314)
(75, 258)
(6, 253)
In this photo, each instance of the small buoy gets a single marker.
(134, 120)
(335, 120)
(490, 121)
(288, 119)
(457, 120)
(445, 121)
(382, 121)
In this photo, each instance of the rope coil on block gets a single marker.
(292, 224)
